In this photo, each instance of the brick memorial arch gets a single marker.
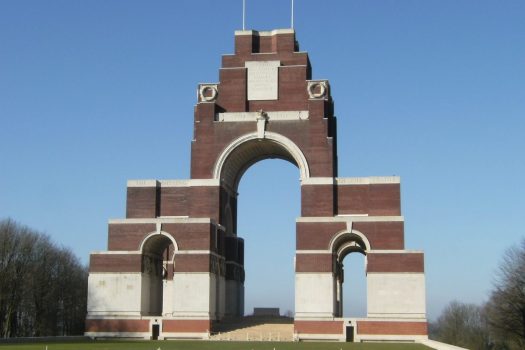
(174, 266)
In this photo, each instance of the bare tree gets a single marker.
(16, 255)
(463, 325)
(506, 307)
(43, 287)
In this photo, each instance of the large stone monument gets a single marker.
(174, 265)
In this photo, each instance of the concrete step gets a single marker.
(256, 330)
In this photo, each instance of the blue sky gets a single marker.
(93, 93)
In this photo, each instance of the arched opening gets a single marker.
(247, 150)
(354, 286)
(350, 276)
(269, 203)
(158, 250)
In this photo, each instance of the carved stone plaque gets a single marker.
(263, 80)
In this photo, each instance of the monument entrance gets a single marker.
(177, 260)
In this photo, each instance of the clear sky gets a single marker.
(93, 93)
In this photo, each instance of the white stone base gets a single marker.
(180, 335)
(114, 294)
(396, 295)
(128, 335)
(190, 296)
(320, 337)
(314, 295)
(389, 338)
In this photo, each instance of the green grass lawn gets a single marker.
(207, 345)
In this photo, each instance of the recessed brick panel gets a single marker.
(141, 202)
(383, 235)
(313, 263)
(244, 44)
(391, 328)
(115, 263)
(395, 262)
(318, 327)
(192, 263)
(316, 235)
(317, 200)
(93, 325)
(128, 236)
(374, 200)
(205, 112)
(317, 109)
(174, 201)
(385, 199)
(232, 89)
(190, 236)
(352, 199)
(283, 43)
(186, 326)
(204, 202)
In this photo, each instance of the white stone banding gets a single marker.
(372, 180)
(164, 220)
(252, 116)
(265, 33)
(356, 218)
(174, 183)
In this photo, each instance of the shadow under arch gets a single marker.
(158, 263)
(341, 245)
(248, 149)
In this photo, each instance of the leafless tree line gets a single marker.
(42, 286)
(499, 324)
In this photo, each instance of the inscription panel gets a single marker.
(263, 80)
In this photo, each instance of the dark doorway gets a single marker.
(155, 331)
(350, 334)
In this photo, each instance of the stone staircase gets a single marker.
(255, 329)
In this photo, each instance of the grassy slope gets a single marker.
(208, 345)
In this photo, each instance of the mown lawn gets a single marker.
(207, 345)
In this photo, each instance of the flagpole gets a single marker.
(243, 14)
(292, 14)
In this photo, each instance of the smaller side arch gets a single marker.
(158, 250)
(346, 241)
(342, 244)
(162, 235)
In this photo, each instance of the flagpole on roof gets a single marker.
(243, 14)
(292, 14)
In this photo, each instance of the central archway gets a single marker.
(241, 154)
(268, 205)
(247, 150)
